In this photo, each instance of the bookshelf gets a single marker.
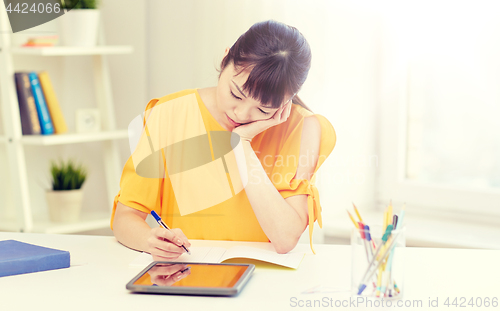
(70, 50)
(15, 142)
(72, 138)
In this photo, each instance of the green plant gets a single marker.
(79, 4)
(67, 175)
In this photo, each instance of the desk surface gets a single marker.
(100, 269)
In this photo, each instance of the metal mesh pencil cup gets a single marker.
(377, 266)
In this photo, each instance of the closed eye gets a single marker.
(234, 95)
(239, 98)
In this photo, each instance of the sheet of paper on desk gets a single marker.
(219, 254)
(290, 260)
(198, 254)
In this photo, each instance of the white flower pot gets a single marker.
(65, 205)
(79, 27)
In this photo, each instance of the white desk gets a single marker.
(100, 269)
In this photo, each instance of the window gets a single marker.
(440, 131)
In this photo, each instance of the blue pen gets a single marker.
(164, 225)
(369, 238)
(385, 237)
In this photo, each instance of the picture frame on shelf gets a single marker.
(88, 120)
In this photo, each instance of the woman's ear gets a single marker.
(226, 51)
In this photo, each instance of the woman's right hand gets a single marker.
(165, 245)
(166, 275)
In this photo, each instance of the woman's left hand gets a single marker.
(250, 130)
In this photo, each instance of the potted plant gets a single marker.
(65, 198)
(80, 23)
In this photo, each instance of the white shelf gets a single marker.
(88, 222)
(72, 138)
(72, 50)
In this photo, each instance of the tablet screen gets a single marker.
(192, 275)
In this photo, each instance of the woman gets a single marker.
(199, 190)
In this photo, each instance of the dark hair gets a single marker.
(278, 57)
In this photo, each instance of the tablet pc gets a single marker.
(188, 278)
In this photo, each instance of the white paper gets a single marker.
(219, 254)
(290, 260)
(198, 254)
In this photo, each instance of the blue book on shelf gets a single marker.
(18, 258)
(41, 105)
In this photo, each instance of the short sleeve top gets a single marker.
(192, 180)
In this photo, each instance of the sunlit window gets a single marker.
(454, 101)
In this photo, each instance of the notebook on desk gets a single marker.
(220, 254)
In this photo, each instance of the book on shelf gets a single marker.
(52, 103)
(41, 105)
(38, 104)
(19, 258)
(27, 107)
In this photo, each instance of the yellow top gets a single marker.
(191, 178)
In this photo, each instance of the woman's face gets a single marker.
(234, 105)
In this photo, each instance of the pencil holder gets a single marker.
(377, 262)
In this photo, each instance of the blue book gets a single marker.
(18, 258)
(41, 105)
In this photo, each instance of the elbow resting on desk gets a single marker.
(283, 248)
(285, 243)
(285, 233)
